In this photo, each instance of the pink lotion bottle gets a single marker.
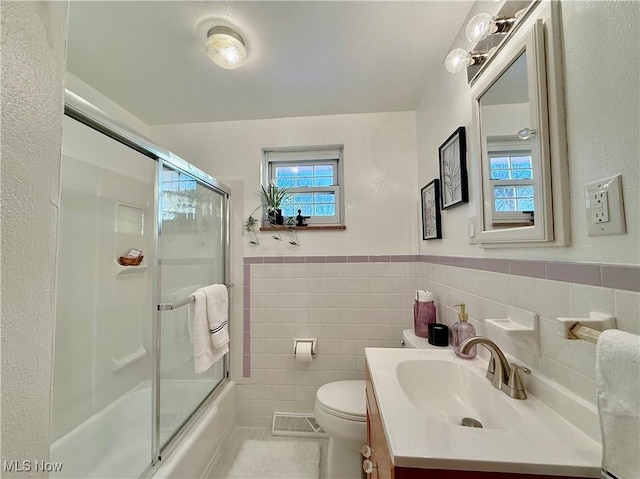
(462, 330)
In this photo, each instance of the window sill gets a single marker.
(511, 224)
(304, 228)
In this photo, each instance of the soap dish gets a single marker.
(518, 321)
(521, 326)
(133, 258)
(509, 326)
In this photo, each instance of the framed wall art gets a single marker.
(430, 199)
(453, 170)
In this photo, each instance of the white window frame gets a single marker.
(291, 156)
(508, 146)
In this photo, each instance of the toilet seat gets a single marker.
(344, 399)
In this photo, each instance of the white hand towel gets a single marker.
(217, 313)
(203, 352)
(618, 395)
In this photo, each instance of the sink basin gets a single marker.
(450, 391)
(424, 394)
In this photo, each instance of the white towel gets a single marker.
(618, 394)
(217, 313)
(203, 351)
(184, 316)
(424, 295)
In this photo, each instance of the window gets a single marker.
(512, 183)
(179, 196)
(312, 177)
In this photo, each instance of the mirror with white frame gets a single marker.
(520, 141)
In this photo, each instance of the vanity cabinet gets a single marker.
(382, 464)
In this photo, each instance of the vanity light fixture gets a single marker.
(483, 25)
(459, 59)
(480, 27)
(226, 48)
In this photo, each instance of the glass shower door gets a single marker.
(191, 247)
(101, 406)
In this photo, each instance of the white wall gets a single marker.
(500, 119)
(602, 97)
(33, 55)
(108, 106)
(379, 186)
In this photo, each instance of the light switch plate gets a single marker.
(605, 207)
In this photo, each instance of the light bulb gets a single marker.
(480, 27)
(457, 60)
(226, 48)
(526, 133)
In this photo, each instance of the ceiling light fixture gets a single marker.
(459, 59)
(226, 48)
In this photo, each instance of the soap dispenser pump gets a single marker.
(462, 330)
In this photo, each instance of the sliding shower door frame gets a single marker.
(81, 110)
(177, 164)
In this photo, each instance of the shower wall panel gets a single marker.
(104, 310)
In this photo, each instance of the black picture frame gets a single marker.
(452, 155)
(430, 200)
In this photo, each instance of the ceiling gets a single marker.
(304, 57)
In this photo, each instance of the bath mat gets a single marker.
(277, 460)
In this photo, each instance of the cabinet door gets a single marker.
(376, 440)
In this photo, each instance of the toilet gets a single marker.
(411, 341)
(341, 410)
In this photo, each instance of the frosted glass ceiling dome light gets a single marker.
(226, 48)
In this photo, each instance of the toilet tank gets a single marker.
(410, 340)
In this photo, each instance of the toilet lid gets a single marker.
(345, 399)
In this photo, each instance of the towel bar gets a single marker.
(578, 331)
(182, 302)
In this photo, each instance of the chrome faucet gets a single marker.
(503, 376)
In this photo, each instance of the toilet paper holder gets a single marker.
(313, 341)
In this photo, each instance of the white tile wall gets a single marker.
(488, 295)
(350, 306)
(347, 306)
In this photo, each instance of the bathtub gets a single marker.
(116, 441)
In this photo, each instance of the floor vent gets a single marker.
(296, 424)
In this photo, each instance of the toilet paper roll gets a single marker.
(303, 352)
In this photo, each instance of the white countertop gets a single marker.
(539, 442)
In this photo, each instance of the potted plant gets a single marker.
(272, 198)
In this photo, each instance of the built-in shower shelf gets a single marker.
(130, 269)
(120, 363)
